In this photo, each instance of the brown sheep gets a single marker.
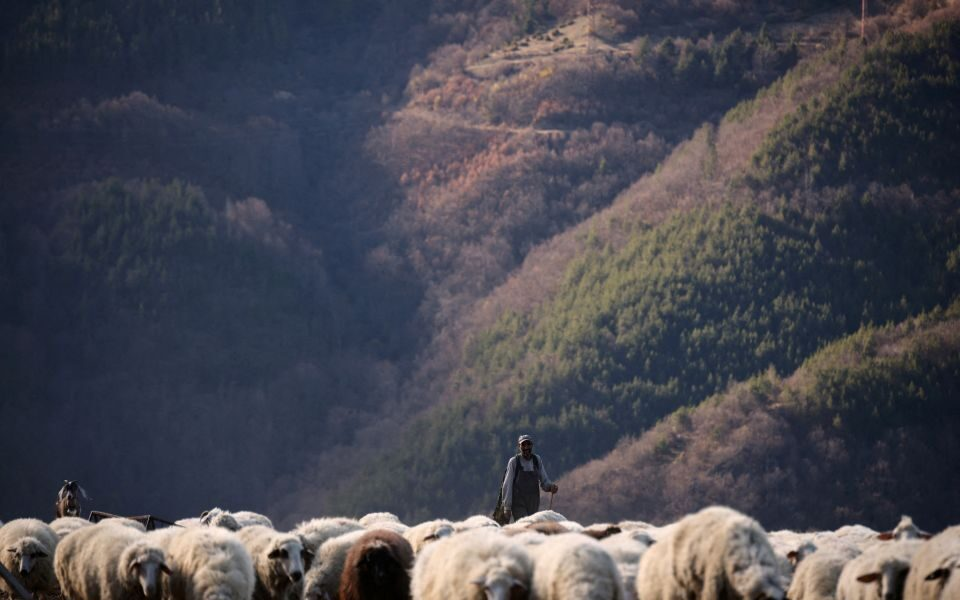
(377, 568)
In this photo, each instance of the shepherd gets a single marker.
(524, 479)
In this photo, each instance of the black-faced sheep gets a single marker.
(208, 563)
(880, 572)
(935, 569)
(474, 565)
(573, 566)
(715, 554)
(322, 581)
(110, 562)
(279, 560)
(377, 568)
(27, 550)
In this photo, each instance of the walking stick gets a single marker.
(552, 494)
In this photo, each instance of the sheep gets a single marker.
(378, 517)
(473, 565)
(420, 535)
(543, 515)
(905, 530)
(233, 521)
(65, 525)
(634, 525)
(27, 550)
(817, 574)
(394, 526)
(599, 531)
(884, 565)
(626, 549)
(109, 561)
(857, 535)
(189, 522)
(573, 566)
(316, 531)
(279, 560)
(933, 571)
(714, 554)
(377, 567)
(475, 522)
(208, 563)
(322, 581)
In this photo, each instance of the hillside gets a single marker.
(678, 309)
(304, 258)
(861, 432)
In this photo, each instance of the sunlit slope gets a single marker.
(679, 309)
(864, 431)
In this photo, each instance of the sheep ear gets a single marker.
(938, 574)
(868, 578)
(166, 568)
(275, 553)
(41, 554)
(792, 555)
(517, 584)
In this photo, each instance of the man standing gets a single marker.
(523, 481)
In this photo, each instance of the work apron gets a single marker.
(526, 493)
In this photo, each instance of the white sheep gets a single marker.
(935, 568)
(818, 573)
(394, 526)
(67, 525)
(27, 549)
(317, 531)
(279, 560)
(109, 561)
(378, 517)
(475, 522)
(714, 554)
(879, 572)
(322, 581)
(208, 563)
(473, 565)
(629, 525)
(626, 549)
(543, 515)
(573, 566)
(430, 531)
(905, 530)
(234, 521)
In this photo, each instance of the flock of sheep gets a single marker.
(715, 554)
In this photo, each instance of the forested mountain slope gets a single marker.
(244, 245)
(676, 310)
(863, 431)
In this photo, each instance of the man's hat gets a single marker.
(524, 438)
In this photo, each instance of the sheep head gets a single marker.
(144, 564)
(752, 567)
(26, 554)
(499, 583)
(287, 557)
(889, 578)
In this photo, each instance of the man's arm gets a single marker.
(545, 483)
(508, 484)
